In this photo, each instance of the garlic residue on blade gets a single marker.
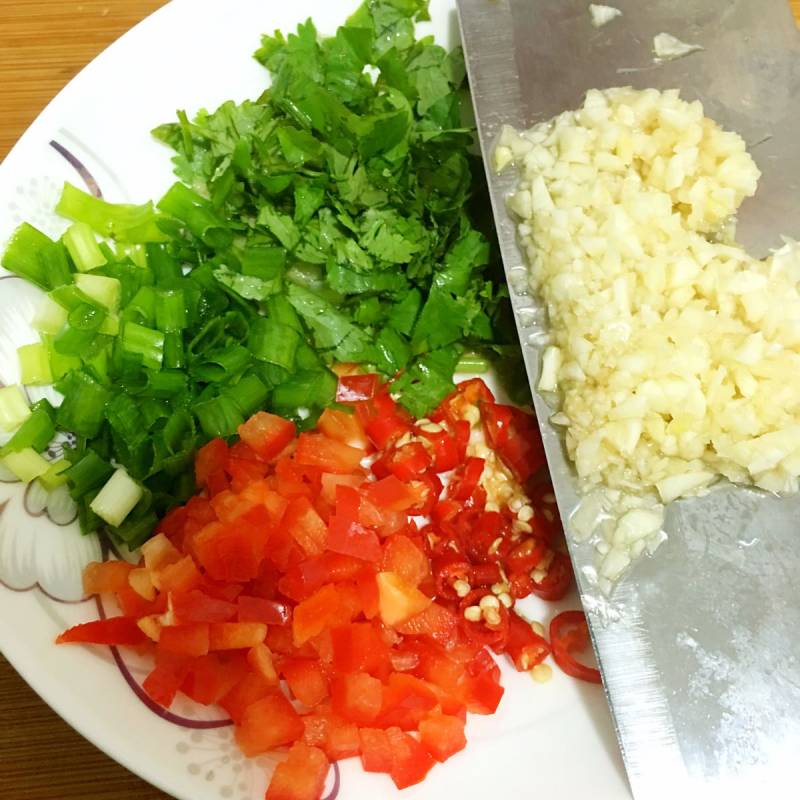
(602, 15)
(666, 47)
(675, 355)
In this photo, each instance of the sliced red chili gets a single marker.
(558, 579)
(525, 556)
(447, 569)
(569, 634)
(464, 483)
(483, 632)
(523, 645)
(484, 574)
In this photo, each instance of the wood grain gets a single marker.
(42, 46)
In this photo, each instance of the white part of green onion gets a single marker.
(34, 364)
(54, 476)
(109, 326)
(82, 245)
(117, 498)
(14, 408)
(50, 317)
(105, 290)
(26, 464)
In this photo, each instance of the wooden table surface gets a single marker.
(42, 45)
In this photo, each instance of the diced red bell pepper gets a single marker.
(234, 552)
(243, 694)
(210, 459)
(306, 680)
(346, 535)
(367, 587)
(266, 434)
(376, 750)
(406, 702)
(301, 776)
(436, 623)
(343, 427)
(257, 609)
(524, 646)
(105, 577)
(197, 606)
(343, 740)
(114, 630)
(236, 635)
(358, 648)
(314, 614)
(481, 693)
(268, 723)
(411, 762)
(188, 640)
(306, 526)
(164, 681)
(211, 677)
(402, 557)
(442, 736)
(159, 552)
(260, 660)
(317, 450)
(398, 600)
(392, 494)
(182, 576)
(357, 697)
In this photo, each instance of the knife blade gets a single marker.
(698, 645)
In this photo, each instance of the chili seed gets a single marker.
(538, 575)
(462, 588)
(490, 506)
(525, 513)
(506, 599)
(472, 613)
(542, 673)
(492, 616)
(518, 526)
(538, 628)
(489, 601)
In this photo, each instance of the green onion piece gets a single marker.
(142, 307)
(86, 318)
(26, 464)
(87, 474)
(70, 297)
(36, 432)
(249, 394)
(83, 409)
(170, 310)
(144, 342)
(273, 342)
(305, 389)
(55, 477)
(473, 362)
(174, 354)
(34, 364)
(121, 221)
(105, 291)
(60, 364)
(135, 252)
(125, 418)
(109, 326)
(164, 267)
(219, 416)
(222, 364)
(281, 310)
(13, 408)
(167, 383)
(117, 498)
(50, 317)
(37, 258)
(80, 241)
(198, 216)
(135, 532)
(74, 342)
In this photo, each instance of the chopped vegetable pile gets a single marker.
(345, 610)
(329, 220)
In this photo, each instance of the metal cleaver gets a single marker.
(699, 644)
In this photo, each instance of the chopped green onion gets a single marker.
(36, 257)
(117, 498)
(144, 342)
(87, 474)
(55, 477)
(249, 394)
(196, 213)
(105, 291)
(122, 221)
(60, 363)
(80, 241)
(164, 267)
(36, 432)
(167, 383)
(219, 416)
(71, 297)
(34, 364)
(109, 326)
(473, 362)
(50, 317)
(273, 342)
(135, 532)
(86, 318)
(74, 342)
(170, 310)
(142, 307)
(174, 355)
(26, 464)
(83, 409)
(14, 408)
(315, 388)
(222, 364)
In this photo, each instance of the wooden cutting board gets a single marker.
(43, 44)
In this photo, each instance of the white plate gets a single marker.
(551, 740)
